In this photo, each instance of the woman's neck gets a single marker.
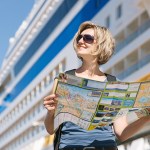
(86, 70)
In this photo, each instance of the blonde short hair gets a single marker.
(104, 40)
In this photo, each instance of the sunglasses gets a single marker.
(87, 38)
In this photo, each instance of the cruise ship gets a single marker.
(42, 47)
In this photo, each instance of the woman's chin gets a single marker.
(84, 55)
(82, 52)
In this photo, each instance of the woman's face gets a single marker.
(86, 42)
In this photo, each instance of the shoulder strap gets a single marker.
(110, 77)
(72, 72)
(57, 137)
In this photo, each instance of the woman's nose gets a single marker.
(81, 40)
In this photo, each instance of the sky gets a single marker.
(12, 14)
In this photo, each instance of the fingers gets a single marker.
(148, 111)
(51, 96)
(63, 76)
(50, 102)
(50, 108)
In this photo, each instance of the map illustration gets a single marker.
(92, 104)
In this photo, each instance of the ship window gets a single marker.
(119, 11)
(5, 83)
(42, 85)
(54, 74)
(37, 89)
(57, 70)
(32, 94)
(64, 65)
(48, 79)
(107, 21)
(61, 67)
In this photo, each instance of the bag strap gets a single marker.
(72, 72)
(110, 77)
(57, 137)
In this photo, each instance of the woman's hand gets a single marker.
(63, 77)
(50, 103)
(148, 116)
(148, 109)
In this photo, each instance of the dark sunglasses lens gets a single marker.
(88, 38)
(79, 38)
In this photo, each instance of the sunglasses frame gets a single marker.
(87, 38)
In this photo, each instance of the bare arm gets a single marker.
(50, 104)
(125, 129)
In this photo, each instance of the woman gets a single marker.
(94, 45)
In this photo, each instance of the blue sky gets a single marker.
(12, 14)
